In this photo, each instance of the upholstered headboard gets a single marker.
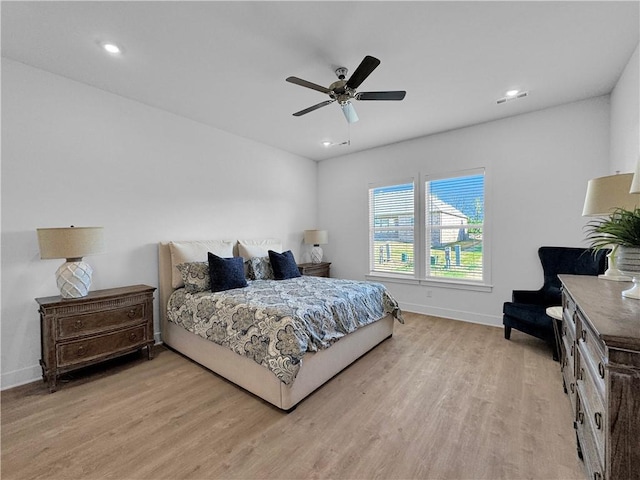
(173, 253)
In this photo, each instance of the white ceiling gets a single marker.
(225, 63)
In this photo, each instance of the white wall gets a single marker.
(537, 168)
(76, 155)
(625, 113)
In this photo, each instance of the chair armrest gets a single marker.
(531, 297)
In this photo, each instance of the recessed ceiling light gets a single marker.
(326, 143)
(512, 93)
(112, 48)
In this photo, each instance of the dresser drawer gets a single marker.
(588, 446)
(592, 355)
(81, 351)
(79, 325)
(592, 409)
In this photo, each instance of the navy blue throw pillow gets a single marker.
(284, 265)
(226, 273)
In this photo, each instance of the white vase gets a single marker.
(629, 264)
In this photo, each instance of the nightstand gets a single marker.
(315, 269)
(78, 332)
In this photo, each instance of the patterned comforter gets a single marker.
(275, 322)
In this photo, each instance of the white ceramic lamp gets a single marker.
(72, 243)
(316, 238)
(635, 183)
(604, 195)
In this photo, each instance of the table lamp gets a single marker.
(635, 183)
(604, 195)
(72, 243)
(316, 238)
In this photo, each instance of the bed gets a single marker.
(285, 386)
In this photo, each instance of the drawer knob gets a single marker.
(81, 350)
(572, 386)
(598, 418)
(581, 374)
(131, 313)
(584, 336)
(581, 417)
(133, 336)
(601, 369)
(572, 349)
(78, 325)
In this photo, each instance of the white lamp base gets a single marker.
(633, 292)
(612, 273)
(316, 254)
(614, 276)
(74, 279)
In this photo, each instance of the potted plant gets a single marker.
(621, 230)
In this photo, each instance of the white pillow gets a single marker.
(195, 251)
(260, 247)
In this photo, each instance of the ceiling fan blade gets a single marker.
(304, 83)
(365, 68)
(393, 95)
(349, 112)
(314, 107)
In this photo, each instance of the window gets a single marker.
(391, 228)
(446, 243)
(454, 227)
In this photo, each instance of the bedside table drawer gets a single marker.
(86, 350)
(321, 269)
(78, 325)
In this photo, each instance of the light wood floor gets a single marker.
(440, 400)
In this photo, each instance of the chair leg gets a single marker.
(507, 332)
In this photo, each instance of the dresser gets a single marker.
(600, 361)
(321, 269)
(78, 332)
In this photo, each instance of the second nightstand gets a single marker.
(315, 269)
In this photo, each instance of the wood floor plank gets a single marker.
(440, 400)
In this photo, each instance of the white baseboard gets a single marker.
(471, 317)
(34, 373)
(20, 377)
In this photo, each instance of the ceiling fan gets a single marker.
(343, 91)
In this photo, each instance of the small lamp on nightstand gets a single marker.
(316, 238)
(74, 276)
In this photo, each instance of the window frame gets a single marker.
(372, 228)
(419, 275)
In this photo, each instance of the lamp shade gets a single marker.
(604, 194)
(635, 184)
(70, 242)
(316, 237)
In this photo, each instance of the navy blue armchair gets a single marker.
(526, 311)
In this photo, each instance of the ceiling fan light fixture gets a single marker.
(349, 112)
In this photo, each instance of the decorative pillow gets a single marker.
(259, 268)
(226, 273)
(284, 265)
(258, 247)
(195, 276)
(195, 251)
